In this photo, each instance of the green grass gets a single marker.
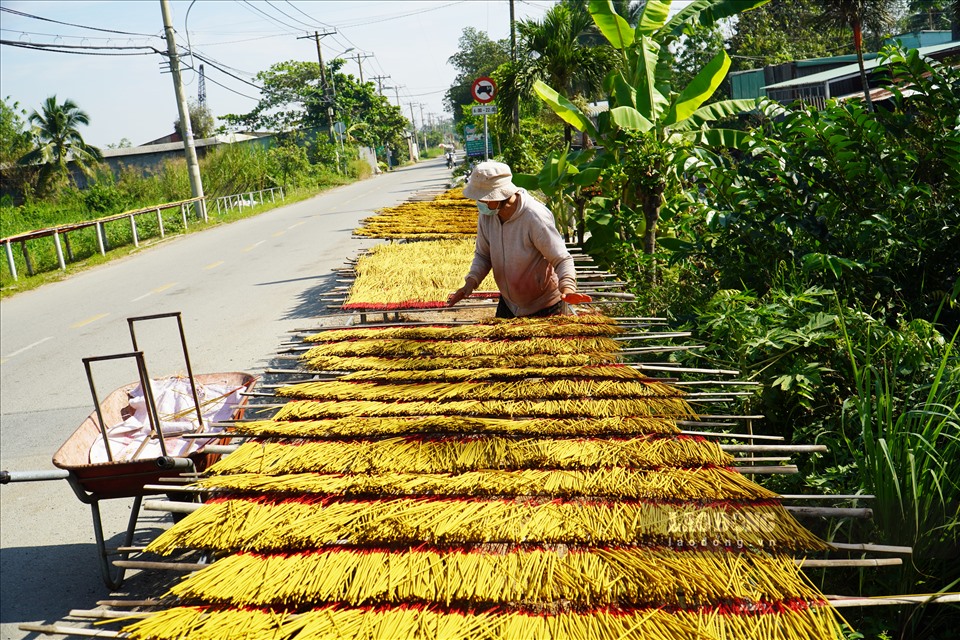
(120, 239)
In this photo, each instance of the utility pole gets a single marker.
(513, 58)
(379, 80)
(423, 127)
(360, 59)
(329, 94)
(413, 123)
(193, 167)
(386, 145)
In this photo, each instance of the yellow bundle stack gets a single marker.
(505, 480)
(412, 274)
(440, 218)
(791, 621)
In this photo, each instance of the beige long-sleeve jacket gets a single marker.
(530, 262)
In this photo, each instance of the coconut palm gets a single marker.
(554, 52)
(58, 140)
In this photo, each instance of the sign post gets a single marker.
(484, 90)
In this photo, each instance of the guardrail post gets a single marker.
(282, 196)
(202, 208)
(273, 195)
(260, 193)
(101, 238)
(56, 242)
(133, 228)
(66, 244)
(219, 213)
(160, 221)
(13, 266)
(183, 214)
(26, 257)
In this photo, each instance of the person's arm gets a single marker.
(549, 242)
(478, 269)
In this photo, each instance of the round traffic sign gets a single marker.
(483, 90)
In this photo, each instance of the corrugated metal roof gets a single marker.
(851, 70)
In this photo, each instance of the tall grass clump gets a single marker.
(902, 430)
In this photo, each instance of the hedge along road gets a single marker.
(241, 288)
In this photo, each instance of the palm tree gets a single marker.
(58, 140)
(856, 14)
(555, 53)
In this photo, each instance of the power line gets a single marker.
(269, 17)
(206, 60)
(225, 86)
(387, 18)
(70, 24)
(287, 15)
(325, 25)
(81, 49)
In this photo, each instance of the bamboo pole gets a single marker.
(778, 470)
(863, 562)
(107, 614)
(62, 630)
(732, 436)
(152, 602)
(831, 512)
(659, 367)
(826, 497)
(165, 566)
(876, 548)
(853, 601)
(796, 448)
(170, 506)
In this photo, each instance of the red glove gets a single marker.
(576, 298)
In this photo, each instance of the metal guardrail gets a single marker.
(223, 204)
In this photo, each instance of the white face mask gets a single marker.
(484, 209)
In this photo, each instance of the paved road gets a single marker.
(240, 287)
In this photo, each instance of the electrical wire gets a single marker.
(87, 50)
(246, 3)
(281, 11)
(307, 15)
(209, 79)
(77, 48)
(387, 18)
(210, 62)
(80, 26)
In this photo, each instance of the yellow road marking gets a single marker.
(214, 265)
(164, 287)
(296, 225)
(254, 246)
(279, 233)
(89, 320)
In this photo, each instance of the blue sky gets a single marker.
(129, 97)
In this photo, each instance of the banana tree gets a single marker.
(651, 126)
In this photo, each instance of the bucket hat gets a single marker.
(490, 181)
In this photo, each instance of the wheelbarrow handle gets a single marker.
(6, 477)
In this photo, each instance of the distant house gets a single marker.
(817, 80)
(151, 155)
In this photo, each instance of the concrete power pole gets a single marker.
(413, 123)
(193, 167)
(423, 127)
(386, 145)
(329, 91)
(360, 58)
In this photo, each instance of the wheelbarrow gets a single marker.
(126, 477)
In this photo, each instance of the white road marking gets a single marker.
(26, 348)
